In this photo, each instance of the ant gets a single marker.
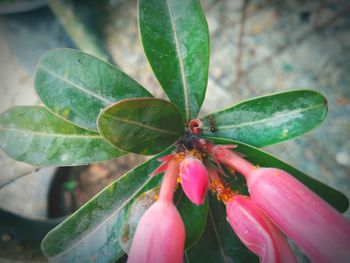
(211, 123)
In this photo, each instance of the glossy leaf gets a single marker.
(334, 197)
(34, 135)
(92, 232)
(77, 86)
(219, 243)
(269, 119)
(143, 126)
(175, 37)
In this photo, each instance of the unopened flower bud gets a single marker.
(316, 227)
(160, 236)
(194, 179)
(257, 232)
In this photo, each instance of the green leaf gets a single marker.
(92, 232)
(335, 198)
(175, 37)
(194, 217)
(144, 126)
(76, 86)
(269, 119)
(219, 243)
(36, 136)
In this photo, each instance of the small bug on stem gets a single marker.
(211, 123)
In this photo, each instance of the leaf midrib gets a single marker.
(251, 123)
(97, 96)
(51, 134)
(141, 125)
(181, 63)
(217, 235)
(104, 221)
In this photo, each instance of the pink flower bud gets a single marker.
(194, 179)
(159, 236)
(316, 227)
(257, 232)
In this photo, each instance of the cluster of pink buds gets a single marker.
(278, 205)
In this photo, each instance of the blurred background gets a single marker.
(257, 47)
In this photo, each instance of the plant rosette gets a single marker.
(95, 112)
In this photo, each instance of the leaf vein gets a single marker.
(217, 235)
(51, 134)
(141, 125)
(290, 113)
(99, 97)
(182, 66)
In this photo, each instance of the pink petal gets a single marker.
(161, 169)
(163, 166)
(316, 227)
(159, 236)
(194, 179)
(257, 232)
(166, 158)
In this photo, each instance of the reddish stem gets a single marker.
(231, 159)
(213, 174)
(237, 162)
(169, 182)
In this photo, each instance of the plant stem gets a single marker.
(169, 182)
(237, 162)
(228, 157)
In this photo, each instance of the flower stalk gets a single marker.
(169, 182)
(160, 234)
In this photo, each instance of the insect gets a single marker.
(211, 123)
(187, 142)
